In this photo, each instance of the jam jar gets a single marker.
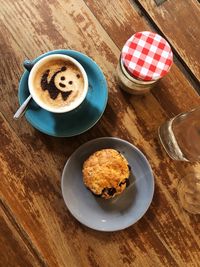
(146, 57)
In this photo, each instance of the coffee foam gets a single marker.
(58, 83)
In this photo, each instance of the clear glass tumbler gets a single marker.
(180, 136)
(189, 193)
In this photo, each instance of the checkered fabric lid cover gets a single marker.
(147, 56)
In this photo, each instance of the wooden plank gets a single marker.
(35, 198)
(31, 163)
(179, 21)
(14, 250)
(174, 92)
(36, 201)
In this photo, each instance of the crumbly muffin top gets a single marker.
(106, 173)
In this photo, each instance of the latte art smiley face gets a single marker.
(64, 82)
(59, 83)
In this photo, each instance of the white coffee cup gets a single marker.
(38, 100)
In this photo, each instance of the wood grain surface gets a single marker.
(36, 227)
(171, 18)
(15, 250)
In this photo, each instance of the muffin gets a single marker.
(106, 173)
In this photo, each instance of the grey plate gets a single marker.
(119, 212)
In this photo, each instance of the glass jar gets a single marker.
(146, 57)
(130, 84)
(189, 192)
(180, 136)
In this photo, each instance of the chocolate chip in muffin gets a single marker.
(110, 191)
(125, 181)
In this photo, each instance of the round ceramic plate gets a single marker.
(119, 212)
(82, 118)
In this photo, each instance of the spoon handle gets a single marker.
(20, 112)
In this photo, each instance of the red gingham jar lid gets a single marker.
(147, 56)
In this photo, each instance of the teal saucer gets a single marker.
(83, 117)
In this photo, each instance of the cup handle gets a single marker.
(28, 64)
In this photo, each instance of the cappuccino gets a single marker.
(58, 83)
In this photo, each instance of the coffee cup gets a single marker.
(57, 83)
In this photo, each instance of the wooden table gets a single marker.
(36, 227)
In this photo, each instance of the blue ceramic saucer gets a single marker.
(113, 214)
(79, 120)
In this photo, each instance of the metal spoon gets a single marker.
(21, 110)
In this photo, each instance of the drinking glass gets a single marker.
(180, 136)
(189, 192)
